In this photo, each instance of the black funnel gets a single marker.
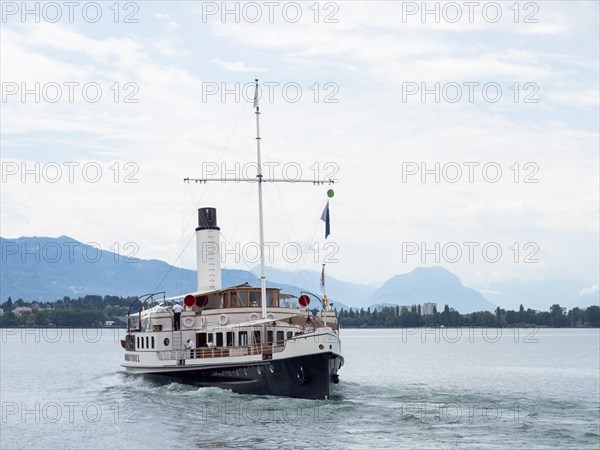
(207, 219)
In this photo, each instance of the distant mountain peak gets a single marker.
(434, 284)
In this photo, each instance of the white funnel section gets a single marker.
(208, 250)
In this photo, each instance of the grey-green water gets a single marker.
(466, 388)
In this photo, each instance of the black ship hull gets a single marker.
(309, 376)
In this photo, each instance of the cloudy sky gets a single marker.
(464, 136)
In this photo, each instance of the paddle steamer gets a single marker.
(249, 339)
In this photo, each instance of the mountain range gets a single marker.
(47, 269)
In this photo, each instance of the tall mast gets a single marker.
(259, 177)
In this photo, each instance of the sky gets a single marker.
(462, 135)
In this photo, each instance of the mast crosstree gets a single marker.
(260, 180)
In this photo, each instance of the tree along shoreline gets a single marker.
(397, 317)
(94, 311)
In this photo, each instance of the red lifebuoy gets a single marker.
(189, 300)
(304, 300)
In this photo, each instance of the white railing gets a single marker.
(221, 352)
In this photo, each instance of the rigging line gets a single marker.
(249, 148)
(182, 239)
(303, 258)
(285, 211)
(172, 265)
(250, 192)
(284, 136)
(240, 256)
(182, 233)
(195, 201)
(286, 235)
(297, 274)
(303, 261)
(235, 127)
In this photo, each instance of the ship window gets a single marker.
(166, 342)
(219, 339)
(256, 336)
(142, 341)
(269, 336)
(243, 338)
(280, 337)
(147, 342)
(274, 301)
(230, 342)
(201, 339)
(152, 340)
(226, 300)
(243, 299)
(254, 298)
(137, 342)
(234, 300)
(290, 334)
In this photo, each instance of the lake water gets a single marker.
(413, 388)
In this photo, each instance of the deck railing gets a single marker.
(221, 352)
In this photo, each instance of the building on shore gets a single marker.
(427, 308)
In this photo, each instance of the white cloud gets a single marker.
(369, 133)
(588, 291)
(237, 66)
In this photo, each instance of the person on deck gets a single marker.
(192, 346)
(177, 316)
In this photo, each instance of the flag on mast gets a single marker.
(325, 218)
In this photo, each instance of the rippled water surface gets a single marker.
(466, 388)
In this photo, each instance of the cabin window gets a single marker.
(219, 339)
(243, 299)
(230, 341)
(256, 336)
(210, 337)
(255, 298)
(142, 342)
(269, 336)
(243, 338)
(226, 300)
(234, 300)
(290, 335)
(152, 341)
(147, 342)
(201, 339)
(280, 337)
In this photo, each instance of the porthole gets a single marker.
(321, 346)
(330, 347)
(166, 342)
(258, 370)
(271, 368)
(245, 371)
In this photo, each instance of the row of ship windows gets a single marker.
(203, 339)
(149, 341)
(228, 339)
